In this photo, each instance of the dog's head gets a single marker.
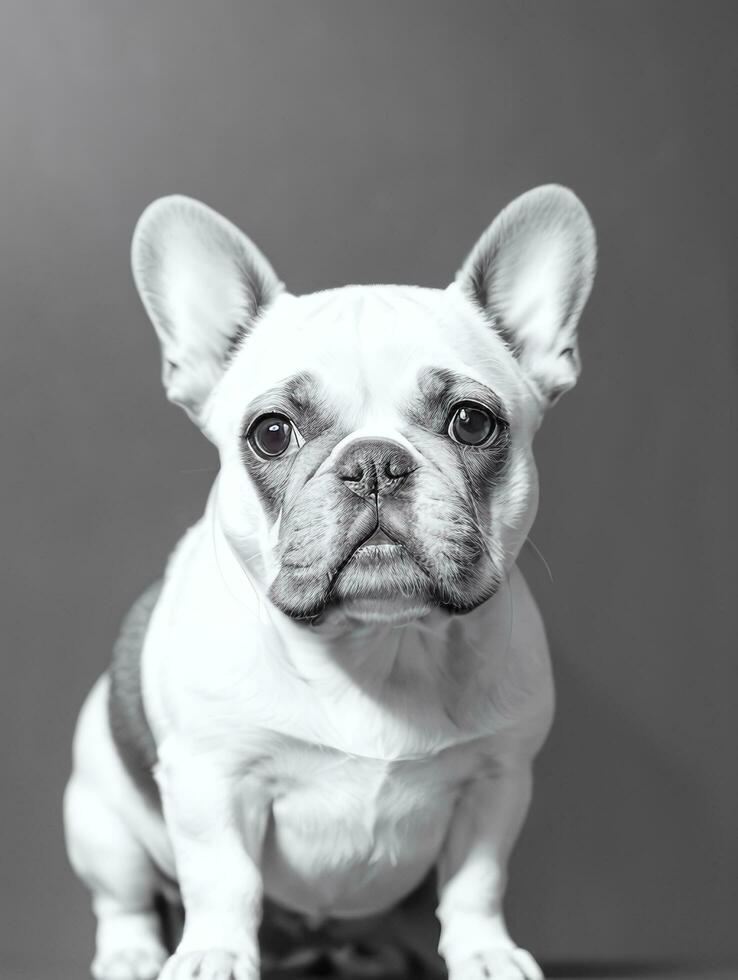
(375, 441)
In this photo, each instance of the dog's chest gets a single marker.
(349, 834)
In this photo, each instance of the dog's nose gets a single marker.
(374, 467)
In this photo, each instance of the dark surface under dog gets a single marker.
(553, 971)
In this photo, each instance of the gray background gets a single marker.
(374, 142)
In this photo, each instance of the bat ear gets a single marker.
(531, 273)
(203, 284)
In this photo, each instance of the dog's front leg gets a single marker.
(472, 876)
(217, 831)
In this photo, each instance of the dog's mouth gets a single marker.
(378, 539)
(380, 567)
(381, 582)
(373, 564)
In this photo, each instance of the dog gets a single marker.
(340, 684)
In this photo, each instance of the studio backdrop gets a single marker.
(373, 142)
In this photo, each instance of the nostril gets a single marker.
(396, 471)
(352, 477)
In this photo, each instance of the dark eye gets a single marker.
(472, 425)
(270, 435)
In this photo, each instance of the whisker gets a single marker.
(217, 558)
(538, 551)
(257, 595)
(250, 558)
(511, 606)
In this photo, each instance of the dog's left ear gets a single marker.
(531, 273)
(203, 283)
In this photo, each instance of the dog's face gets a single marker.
(375, 441)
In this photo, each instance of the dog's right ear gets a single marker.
(203, 283)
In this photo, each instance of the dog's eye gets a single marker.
(270, 435)
(473, 425)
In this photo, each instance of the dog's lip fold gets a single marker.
(379, 537)
(378, 544)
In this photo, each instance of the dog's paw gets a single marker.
(142, 963)
(497, 964)
(209, 964)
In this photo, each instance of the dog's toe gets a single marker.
(144, 963)
(209, 964)
(498, 964)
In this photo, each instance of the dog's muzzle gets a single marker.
(375, 525)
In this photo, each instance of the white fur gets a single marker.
(329, 768)
(544, 258)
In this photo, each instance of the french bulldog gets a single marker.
(341, 683)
